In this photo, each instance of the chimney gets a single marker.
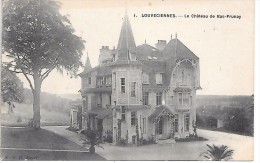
(160, 45)
(105, 54)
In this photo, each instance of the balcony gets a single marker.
(97, 90)
(182, 108)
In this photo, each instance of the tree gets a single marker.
(11, 86)
(218, 153)
(38, 39)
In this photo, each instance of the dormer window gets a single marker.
(132, 56)
(159, 78)
(145, 78)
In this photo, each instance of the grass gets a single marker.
(25, 112)
(27, 138)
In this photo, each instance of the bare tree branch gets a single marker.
(25, 74)
(46, 73)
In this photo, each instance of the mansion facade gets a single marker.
(141, 91)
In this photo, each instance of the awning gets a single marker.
(160, 110)
(182, 89)
(97, 90)
(101, 113)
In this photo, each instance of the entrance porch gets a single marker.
(163, 123)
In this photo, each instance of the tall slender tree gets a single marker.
(38, 39)
(11, 86)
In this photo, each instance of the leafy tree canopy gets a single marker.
(11, 86)
(38, 38)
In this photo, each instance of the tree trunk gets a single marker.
(36, 101)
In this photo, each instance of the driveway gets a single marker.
(243, 146)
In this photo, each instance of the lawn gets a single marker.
(19, 143)
(25, 112)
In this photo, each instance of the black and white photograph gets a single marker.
(111, 80)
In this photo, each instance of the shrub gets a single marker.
(123, 142)
(91, 138)
(151, 140)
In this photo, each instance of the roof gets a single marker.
(131, 107)
(158, 111)
(152, 67)
(87, 66)
(96, 90)
(101, 113)
(175, 48)
(182, 89)
(103, 70)
(148, 52)
(126, 40)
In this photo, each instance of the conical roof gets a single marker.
(87, 65)
(126, 42)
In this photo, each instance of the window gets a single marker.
(188, 79)
(144, 125)
(160, 129)
(184, 77)
(180, 98)
(122, 85)
(184, 98)
(133, 118)
(172, 100)
(114, 57)
(187, 122)
(114, 77)
(133, 85)
(123, 113)
(159, 98)
(159, 78)
(89, 80)
(108, 80)
(98, 81)
(176, 123)
(145, 78)
(85, 103)
(145, 98)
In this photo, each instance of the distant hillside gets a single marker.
(71, 96)
(221, 100)
(24, 112)
(52, 102)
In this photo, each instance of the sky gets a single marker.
(225, 46)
